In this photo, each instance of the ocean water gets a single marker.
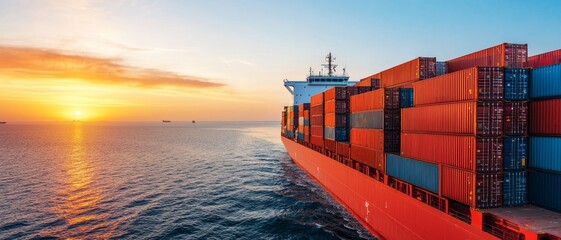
(208, 180)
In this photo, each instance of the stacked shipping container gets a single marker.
(292, 121)
(457, 123)
(316, 120)
(304, 122)
(375, 121)
(545, 131)
(461, 132)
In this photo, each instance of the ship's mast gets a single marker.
(330, 66)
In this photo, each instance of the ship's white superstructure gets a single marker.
(316, 83)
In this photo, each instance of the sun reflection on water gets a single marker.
(78, 197)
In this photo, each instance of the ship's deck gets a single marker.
(532, 218)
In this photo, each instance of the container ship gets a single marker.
(468, 148)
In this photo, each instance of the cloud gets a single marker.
(35, 63)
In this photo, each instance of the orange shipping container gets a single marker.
(482, 190)
(503, 55)
(473, 118)
(477, 83)
(411, 71)
(370, 138)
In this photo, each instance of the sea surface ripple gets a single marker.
(179, 180)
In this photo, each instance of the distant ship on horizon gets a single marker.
(7, 122)
(166, 121)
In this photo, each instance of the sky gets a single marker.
(219, 60)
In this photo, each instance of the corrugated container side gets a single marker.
(344, 149)
(371, 157)
(515, 153)
(516, 84)
(337, 106)
(411, 71)
(503, 55)
(545, 59)
(336, 120)
(515, 189)
(377, 139)
(368, 119)
(337, 134)
(405, 97)
(316, 99)
(317, 131)
(388, 119)
(543, 190)
(335, 93)
(546, 82)
(545, 117)
(375, 100)
(369, 82)
(515, 118)
(465, 152)
(316, 120)
(545, 153)
(474, 118)
(422, 174)
(482, 190)
(317, 141)
(317, 110)
(330, 144)
(477, 83)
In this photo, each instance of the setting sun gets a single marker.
(78, 113)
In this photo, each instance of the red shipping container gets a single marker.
(515, 118)
(316, 120)
(545, 117)
(503, 55)
(316, 99)
(317, 131)
(337, 106)
(474, 118)
(317, 110)
(411, 71)
(306, 131)
(477, 83)
(371, 157)
(374, 100)
(545, 59)
(374, 83)
(336, 120)
(344, 149)
(335, 93)
(317, 141)
(483, 190)
(370, 138)
(330, 145)
(303, 107)
(306, 138)
(467, 152)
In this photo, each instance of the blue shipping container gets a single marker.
(545, 153)
(337, 134)
(301, 136)
(306, 122)
(515, 189)
(543, 190)
(515, 153)
(441, 68)
(419, 173)
(405, 97)
(290, 134)
(516, 84)
(546, 82)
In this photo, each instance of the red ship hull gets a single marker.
(384, 211)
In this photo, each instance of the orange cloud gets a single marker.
(32, 63)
